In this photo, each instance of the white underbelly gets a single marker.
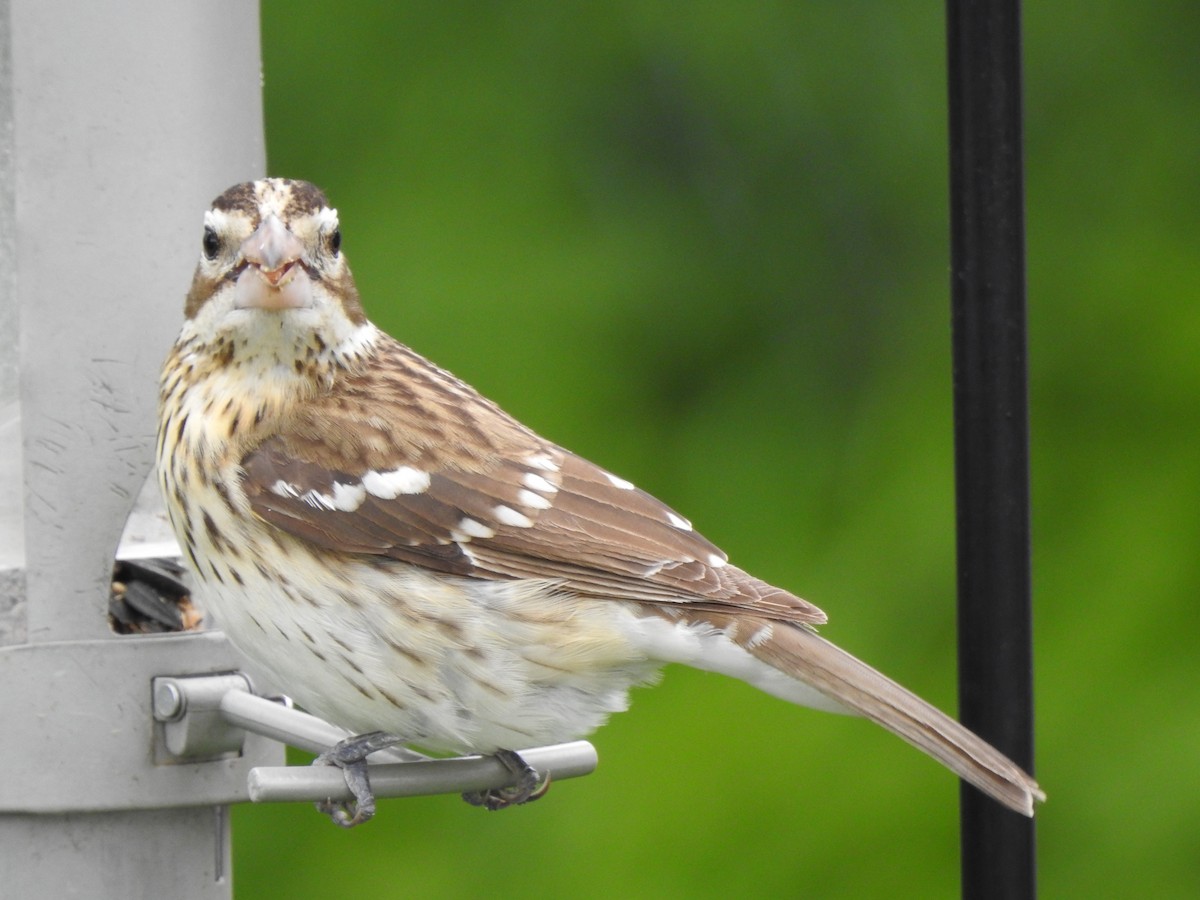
(449, 664)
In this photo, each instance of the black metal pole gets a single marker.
(991, 427)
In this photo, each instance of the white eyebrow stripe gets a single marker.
(327, 219)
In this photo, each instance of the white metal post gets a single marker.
(118, 124)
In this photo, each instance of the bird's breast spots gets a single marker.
(391, 698)
(202, 475)
(222, 493)
(210, 528)
(408, 655)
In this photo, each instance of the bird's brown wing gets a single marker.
(513, 506)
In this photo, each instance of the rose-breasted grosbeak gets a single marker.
(412, 563)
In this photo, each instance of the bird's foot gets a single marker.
(530, 785)
(350, 755)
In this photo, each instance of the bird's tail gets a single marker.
(804, 655)
(812, 664)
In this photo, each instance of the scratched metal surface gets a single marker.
(118, 125)
(123, 134)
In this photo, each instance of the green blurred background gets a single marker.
(705, 244)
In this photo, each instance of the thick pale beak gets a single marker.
(273, 280)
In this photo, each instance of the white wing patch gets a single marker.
(541, 461)
(317, 500)
(536, 482)
(619, 482)
(390, 485)
(530, 500)
(506, 515)
(679, 521)
(282, 489)
(470, 528)
(348, 497)
(345, 497)
(761, 636)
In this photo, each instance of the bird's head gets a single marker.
(271, 261)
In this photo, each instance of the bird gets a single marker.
(411, 563)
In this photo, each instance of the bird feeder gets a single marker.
(129, 725)
(119, 123)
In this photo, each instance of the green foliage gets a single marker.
(705, 245)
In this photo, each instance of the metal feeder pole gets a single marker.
(119, 122)
(991, 427)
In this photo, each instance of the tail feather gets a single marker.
(801, 653)
(822, 675)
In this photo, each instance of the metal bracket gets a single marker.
(80, 734)
(190, 710)
(395, 772)
(421, 778)
(207, 717)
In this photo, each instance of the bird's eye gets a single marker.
(335, 241)
(211, 243)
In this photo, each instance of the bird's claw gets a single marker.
(530, 785)
(350, 755)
